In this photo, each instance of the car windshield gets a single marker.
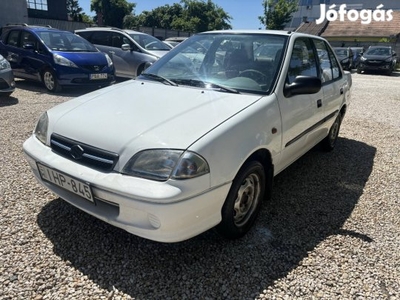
(378, 51)
(149, 42)
(226, 62)
(65, 41)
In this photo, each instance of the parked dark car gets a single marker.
(55, 57)
(357, 52)
(378, 58)
(345, 55)
(7, 83)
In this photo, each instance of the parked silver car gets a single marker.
(7, 83)
(130, 50)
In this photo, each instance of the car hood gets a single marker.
(138, 115)
(84, 58)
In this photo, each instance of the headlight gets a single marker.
(162, 164)
(109, 61)
(41, 128)
(4, 64)
(363, 58)
(389, 59)
(61, 60)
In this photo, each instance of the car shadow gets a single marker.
(311, 201)
(8, 101)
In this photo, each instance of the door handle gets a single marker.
(111, 52)
(341, 91)
(319, 103)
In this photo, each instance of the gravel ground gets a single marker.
(332, 230)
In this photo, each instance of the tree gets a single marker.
(111, 12)
(277, 13)
(190, 15)
(74, 10)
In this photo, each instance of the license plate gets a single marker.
(66, 182)
(98, 76)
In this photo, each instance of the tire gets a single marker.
(329, 142)
(358, 71)
(243, 202)
(50, 81)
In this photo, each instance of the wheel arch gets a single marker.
(265, 158)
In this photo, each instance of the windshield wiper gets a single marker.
(159, 78)
(204, 84)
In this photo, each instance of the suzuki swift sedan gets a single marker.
(195, 141)
(55, 57)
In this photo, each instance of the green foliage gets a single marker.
(277, 13)
(189, 15)
(74, 10)
(111, 12)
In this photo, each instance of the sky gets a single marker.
(244, 13)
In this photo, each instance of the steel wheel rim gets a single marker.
(49, 81)
(247, 199)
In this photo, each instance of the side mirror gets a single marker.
(303, 85)
(126, 47)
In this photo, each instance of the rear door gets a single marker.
(13, 51)
(333, 83)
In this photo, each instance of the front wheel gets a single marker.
(243, 202)
(50, 81)
(329, 143)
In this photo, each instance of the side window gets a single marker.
(330, 69)
(302, 61)
(116, 40)
(12, 38)
(28, 39)
(101, 38)
(336, 73)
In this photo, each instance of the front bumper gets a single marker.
(67, 76)
(7, 83)
(141, 207)
(382, 66)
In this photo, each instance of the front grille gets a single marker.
(81, 153)
(375, 62)
(93, 68)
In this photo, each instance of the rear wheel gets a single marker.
(50, 81)
(329, 143)
(243, 202)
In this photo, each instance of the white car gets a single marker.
(189, 146)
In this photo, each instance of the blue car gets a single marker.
(55, 57)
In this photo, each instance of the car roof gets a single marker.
(266, 31)
(380, 46)
(109, 29)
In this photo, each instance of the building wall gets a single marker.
(56, 9)
(13, 11)
(310, 9)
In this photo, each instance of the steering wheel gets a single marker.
(255, 75)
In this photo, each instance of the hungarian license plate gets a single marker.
(98, 76)
(66, 182)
